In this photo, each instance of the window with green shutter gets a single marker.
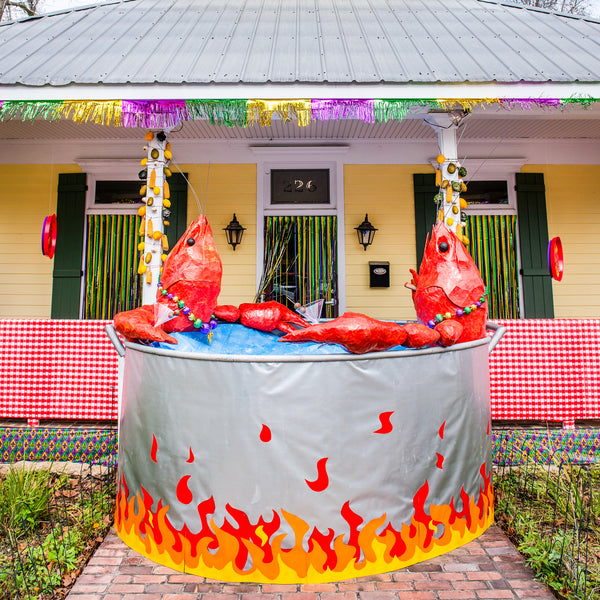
(110, 255)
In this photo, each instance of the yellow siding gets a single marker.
(573, 204)
(231, 188)
(29, 195)
(386, 193)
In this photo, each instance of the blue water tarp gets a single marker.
(236, 339)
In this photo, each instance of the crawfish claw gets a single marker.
(138, 324)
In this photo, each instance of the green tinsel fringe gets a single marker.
(396, 110)
(29, 110)
(585, 101)
(231, 113)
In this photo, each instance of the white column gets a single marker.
(451, 184)
(154, 229)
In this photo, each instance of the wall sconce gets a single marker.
(234, 232)
(366, 232)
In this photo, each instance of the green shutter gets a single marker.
(70, 216)
(178, 219)
(533, 237)
(425, 209)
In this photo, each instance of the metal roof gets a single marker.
(290, 41)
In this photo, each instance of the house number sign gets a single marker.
(300, 186)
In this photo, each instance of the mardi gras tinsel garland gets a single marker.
(245, 113)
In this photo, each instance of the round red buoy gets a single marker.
(555, 258)
(49, 236)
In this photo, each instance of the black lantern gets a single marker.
(366, 232)
(234, 232)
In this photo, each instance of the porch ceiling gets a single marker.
(486, 124)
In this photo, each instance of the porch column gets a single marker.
(156, 197)
(448, 178)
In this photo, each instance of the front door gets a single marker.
(300, 263)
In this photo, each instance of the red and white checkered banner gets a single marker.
(547, 369)
(51, 369)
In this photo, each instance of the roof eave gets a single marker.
(160, 91)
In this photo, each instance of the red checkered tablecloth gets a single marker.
(52, 369)
(541, 370)
(547, 369)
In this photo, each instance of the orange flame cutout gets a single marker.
(386, 424)
(440, 461)
(322, 480)
(154, 449)
(240, 550)
(184, 495)
(191, 457)
(265, 434)
(441, 431)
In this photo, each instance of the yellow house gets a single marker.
(304, 124)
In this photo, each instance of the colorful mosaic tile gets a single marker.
(99, 446)
(519, 446)
(96, 446)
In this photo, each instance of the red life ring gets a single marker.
(49, 236)
(555, 258)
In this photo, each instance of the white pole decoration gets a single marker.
(155, 194)
(449, 175)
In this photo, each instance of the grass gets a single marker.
(552, 514)
(50, 524)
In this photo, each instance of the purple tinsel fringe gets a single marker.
(153, 113)
(530, 102)
(332, 109)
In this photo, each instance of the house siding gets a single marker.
(573, 208)
(386, 193)
(231, 188)
(28, 195)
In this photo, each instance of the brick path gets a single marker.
(488, 568)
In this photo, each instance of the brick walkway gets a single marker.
(488, 568)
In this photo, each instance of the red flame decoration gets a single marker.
(265, 434)
(386, 424)
(184, 495)
(441, 431)
(229, 549)
(322, 480)
(440, 461)
(154, 449)
(191, 458)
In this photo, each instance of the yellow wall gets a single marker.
(28, 195)
(386, 193)
(573, 205)
(231, 188)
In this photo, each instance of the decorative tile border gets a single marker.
(519, 446)
(96, 446)
(99, 446)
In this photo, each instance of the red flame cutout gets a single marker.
(488, 427)
(154, 449)
(183, 491)
(441, 431)
(322, 480)
(386, 425)
(191, 458)
(265, 434)
(440, 461)
(246, 550)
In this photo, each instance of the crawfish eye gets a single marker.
(191, 241)
(443, 246)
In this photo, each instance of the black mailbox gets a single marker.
(379, 274)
